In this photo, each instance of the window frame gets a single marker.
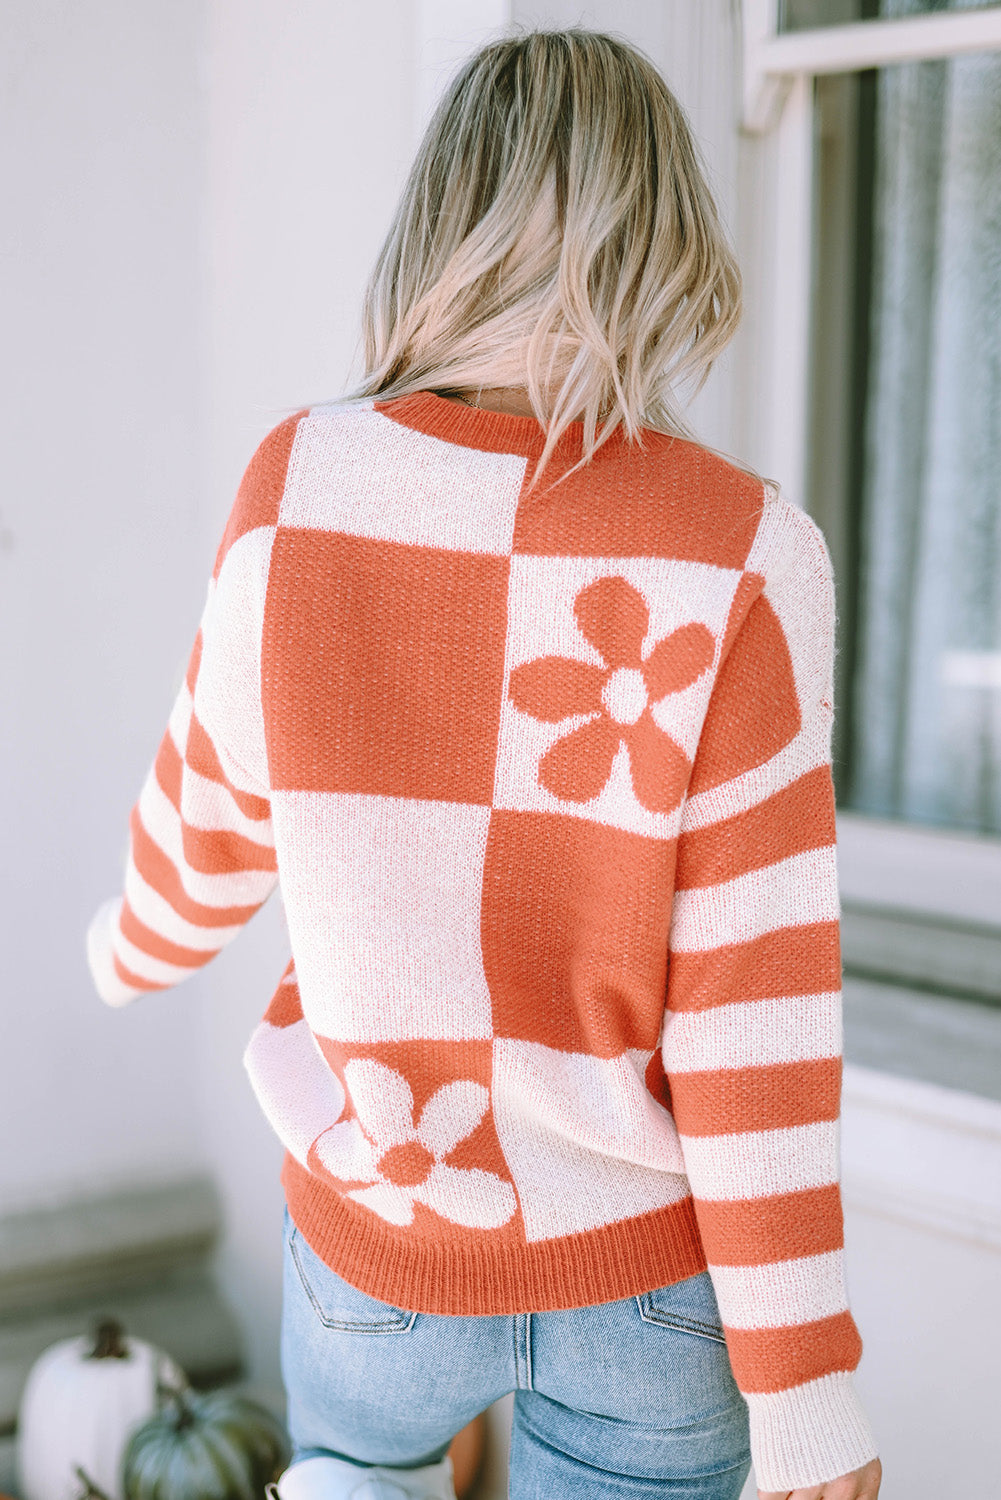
(778, 115)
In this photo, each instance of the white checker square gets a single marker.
(356, 471)
(541, 623)
(584, 1140)
(383, 898)
(300, 1095)
(228, 691)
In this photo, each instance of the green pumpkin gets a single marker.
(205, 1447)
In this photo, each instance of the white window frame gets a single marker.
(891, 865)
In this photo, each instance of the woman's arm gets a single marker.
(752, 1040)
(201, 855)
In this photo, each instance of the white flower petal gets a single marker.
(479, 1200)
(346, 1153)
(389, 1202)
(451, 1114)
(383, 1101)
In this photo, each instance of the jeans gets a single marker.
(632, 1398)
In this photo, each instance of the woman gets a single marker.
(525, 700)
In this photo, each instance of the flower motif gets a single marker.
(613, 616)
(405, 1162)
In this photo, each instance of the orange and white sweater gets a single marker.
(544, 778)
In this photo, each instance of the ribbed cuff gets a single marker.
(101, 955)
(808, 1435)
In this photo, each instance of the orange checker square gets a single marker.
(260, 494)
(669, 498)
(574, 926)
(382, 666)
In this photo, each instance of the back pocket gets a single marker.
(689, 1306)
(337, 1304)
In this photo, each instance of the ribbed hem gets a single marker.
(470, 1276)
(475, 427)
(101, 955)
(809, 1435)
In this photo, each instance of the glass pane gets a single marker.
(924, 707)
(799, 15)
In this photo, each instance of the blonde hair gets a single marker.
(556, 232)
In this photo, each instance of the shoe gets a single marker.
(336, 1479)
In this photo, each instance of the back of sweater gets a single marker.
(544, 777)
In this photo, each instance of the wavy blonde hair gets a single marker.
(556, 232)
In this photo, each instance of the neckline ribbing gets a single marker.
(476, 427)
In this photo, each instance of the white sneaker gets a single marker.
(336, 1479)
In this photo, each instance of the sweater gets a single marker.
(544, 776)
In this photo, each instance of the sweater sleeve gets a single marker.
(752, 1039)
(201, 857)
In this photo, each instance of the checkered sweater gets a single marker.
(544, 777)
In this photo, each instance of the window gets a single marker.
(800, 15)
(880, 123)
(906, 431)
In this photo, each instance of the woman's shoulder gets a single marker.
(789, 541)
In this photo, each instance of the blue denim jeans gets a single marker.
(632, 1398)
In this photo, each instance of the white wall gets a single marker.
(922, 1190)
(101, 121)
(193, 197)
(928, 1305)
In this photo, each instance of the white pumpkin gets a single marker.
(83, 1400)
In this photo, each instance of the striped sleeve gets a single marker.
(752, 1039)
(201, 857)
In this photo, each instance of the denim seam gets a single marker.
(521, 1329)
(651, 1314)
(401, 1324)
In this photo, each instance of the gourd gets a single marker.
(83, 1398)
(204, 1447)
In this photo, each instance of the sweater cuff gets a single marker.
(808, 1435)
(101, 955)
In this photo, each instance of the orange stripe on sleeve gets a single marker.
(803, 960)
(220, 852)
(798, 818)
(194, 662)
(201, 756)
(159, 872)
(728, 1100)
(169, 769)
(773, 1359)
(754, 1231)
(143, 937)
(134, 981)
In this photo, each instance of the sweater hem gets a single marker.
(604, 1264)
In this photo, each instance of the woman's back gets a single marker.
(482, 735)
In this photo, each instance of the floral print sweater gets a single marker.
(543, 774)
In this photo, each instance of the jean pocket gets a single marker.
(336, 1303)
(688, 1306)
